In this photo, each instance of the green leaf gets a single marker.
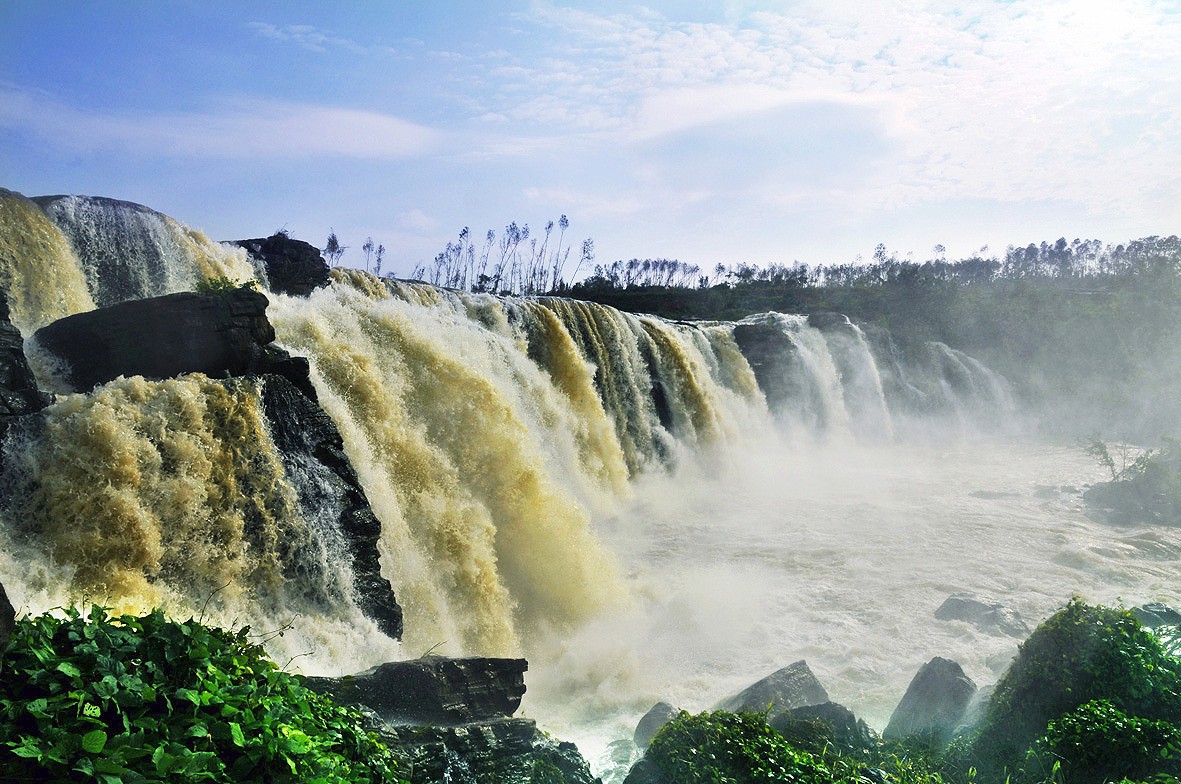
(236, 734)
(90, 709)
(68, 669)
(190, 695)
(94, 741)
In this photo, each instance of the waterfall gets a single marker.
(128, 251)
(38, 269)
(491, 436)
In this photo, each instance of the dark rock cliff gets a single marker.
(293, 267)
(18, 389)
(330, 492)
(162, 337)
(434, 689)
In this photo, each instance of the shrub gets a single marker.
(220, 284)
(1080, 654)
(146, 699)
(1097, 742)
(728, 748)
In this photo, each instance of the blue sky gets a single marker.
(705, 131)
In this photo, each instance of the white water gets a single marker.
(840, 556)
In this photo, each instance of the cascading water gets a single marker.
(131, 252)
(646, 509)
(38, 268)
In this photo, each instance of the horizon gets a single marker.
(745, 133)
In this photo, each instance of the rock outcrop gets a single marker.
(216, 334)
(838, 727)
(434, 689)
(18, 389)
(451, 721)
(329, 491)
(934, 703)
(498, 751)
(794, 686)
(657, 716)
(293, 267)
(1156, 614)
(986, 615)
(7, 617)
(772, 357)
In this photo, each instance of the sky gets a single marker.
(710, 132)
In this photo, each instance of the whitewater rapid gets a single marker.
(838, 554)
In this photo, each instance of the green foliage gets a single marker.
(1146, 490)
(1080, 654)
(220, 284)
(1098, 742)
(145, 699)
(728, 748)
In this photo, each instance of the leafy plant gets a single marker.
(220, 284)
(1145, 490)
(727, 748)
(145, 699)
(1080, 654)
(1098, 742)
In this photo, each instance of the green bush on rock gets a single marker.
(1080, 655)
(1097, 742)
(728, 748)
(146, 699)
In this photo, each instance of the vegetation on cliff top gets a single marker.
(146, 699)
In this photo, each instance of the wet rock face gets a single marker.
(18, 389)
(984, 614)
(772, 356)
(329, 491)
(7, 617)
(434, 689)
(470, 701)
(293, 267)
(498, 751)
(162, 337)
(934, 703)
(657, 716)
(794, 686)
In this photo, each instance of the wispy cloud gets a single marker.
(1006, 101)
(305, 36)
(235, 129)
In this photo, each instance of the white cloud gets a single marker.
(1075, 100)
(306, 36)
(236, 129)
(418, 220)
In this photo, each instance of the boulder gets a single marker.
(216, 334)
(986, 615)
(813, 727)
(7, 617)
(496, 751)
(433, 689)
(329, 492)
(934, 703)
(18, 389)
(660, 714)
(791, 687)
(293, 267)
(1156, 614)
